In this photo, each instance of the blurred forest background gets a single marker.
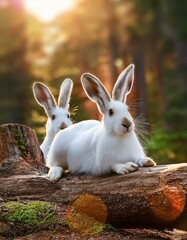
(101, 37)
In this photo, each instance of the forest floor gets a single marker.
(121, 234)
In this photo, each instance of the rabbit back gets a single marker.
(86, 147)
(71, 145)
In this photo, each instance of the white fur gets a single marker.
(58, 115)
(95, 147)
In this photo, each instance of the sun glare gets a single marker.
(47, 10)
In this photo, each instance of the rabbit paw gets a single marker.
(146, 162)
(55, 173)
(125, 168)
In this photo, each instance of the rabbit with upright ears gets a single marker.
(58, 114)
(95, 147)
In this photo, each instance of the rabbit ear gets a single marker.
(95, 91)
(65, 92)
(44, 97)
(123, 84)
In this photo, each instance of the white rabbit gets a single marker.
(58, 115)
(95, 147)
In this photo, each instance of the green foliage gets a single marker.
(177, 21)
(166, 147)
(175, 87)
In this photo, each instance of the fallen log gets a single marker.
(148, 197)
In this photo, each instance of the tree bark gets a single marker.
(150, 196)
(19, 150)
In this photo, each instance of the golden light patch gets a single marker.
(87, 215)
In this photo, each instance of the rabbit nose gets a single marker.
(63, 125)
(126, 123)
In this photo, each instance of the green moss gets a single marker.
(36, 214)
(20, 140)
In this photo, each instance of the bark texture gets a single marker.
(19, 150)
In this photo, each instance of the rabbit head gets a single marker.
(58, 115)
(116, 117)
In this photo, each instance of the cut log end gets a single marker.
(167, 205)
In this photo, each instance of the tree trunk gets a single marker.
(138, 58)
(19, 150)
(153, 196)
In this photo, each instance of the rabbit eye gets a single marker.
(68, 115)
(53, 117)
(110, 112)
